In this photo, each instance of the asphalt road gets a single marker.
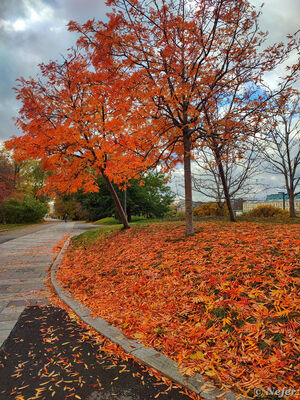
(49, 356)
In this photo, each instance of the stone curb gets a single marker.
(146, 355)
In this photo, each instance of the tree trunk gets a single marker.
(292, 205)
(189, 224)
(225, 186)
(117, 202)
(128, 214)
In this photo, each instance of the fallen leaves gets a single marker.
(60, 244)
(223, 303)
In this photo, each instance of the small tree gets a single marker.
(7, 181)
(149, 195)
(73, 122)
(31, 179)
(280, 147)
(239, 174)
(7, 177)
(69, 204)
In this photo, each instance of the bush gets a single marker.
(268, 212)
(28, 210)
(171, 213)
(209, 210)
(180, 215)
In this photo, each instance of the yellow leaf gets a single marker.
(197, 356)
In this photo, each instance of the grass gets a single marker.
(243, 218)
(87, 238)
(114, 221)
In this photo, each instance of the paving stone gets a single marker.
(17, 303)
(24, 262)
(4, 335)
(3, 304)
(9, 317)
(38, 302)
(13, 309)
(5, 325)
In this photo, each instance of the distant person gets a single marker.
(66, 217)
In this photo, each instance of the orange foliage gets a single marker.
(197, 66)
(73, 120)
(222, 303)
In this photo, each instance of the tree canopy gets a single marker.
(145, 89)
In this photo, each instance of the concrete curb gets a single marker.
(146, 355)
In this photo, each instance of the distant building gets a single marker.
(275, 200)
(180, 205)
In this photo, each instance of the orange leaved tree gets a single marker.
(183, 53)
(73, 122)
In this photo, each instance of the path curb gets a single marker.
(146, 355)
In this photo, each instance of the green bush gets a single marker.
(171, 213)
(210, 210)
(28, 210)
(268, 212)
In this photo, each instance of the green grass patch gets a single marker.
(114, 221)
(89, 237)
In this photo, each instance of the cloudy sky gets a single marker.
(34, 31)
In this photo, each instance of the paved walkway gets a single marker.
(24, 262)
(46, 353)
(10, 234)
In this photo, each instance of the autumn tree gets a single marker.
(69, 204)
(7, 176)
(31, 178)
(181, 54)
(280, 146)
(73, 123)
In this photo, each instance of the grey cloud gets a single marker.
(11, 8)
(279, 18)
(80, 10)
(44, 37)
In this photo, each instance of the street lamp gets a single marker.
(283, 199)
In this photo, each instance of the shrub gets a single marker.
(171, 213)
(180, 215)
(266, 211)
(28, 210)
(210, 210)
